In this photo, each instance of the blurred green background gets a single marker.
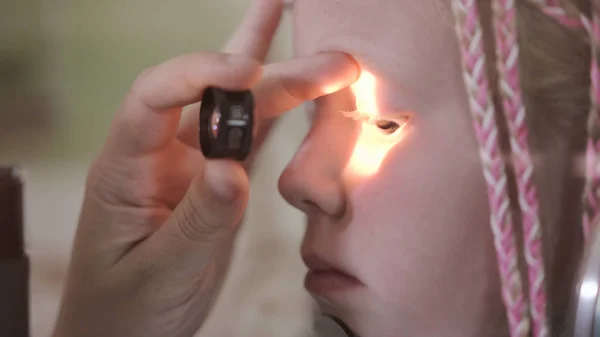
(80, 57)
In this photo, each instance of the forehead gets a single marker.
(381, 24)
(405, 43)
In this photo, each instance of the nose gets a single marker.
(313, 180)
(309, 184)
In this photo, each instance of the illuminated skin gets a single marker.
(413, 227)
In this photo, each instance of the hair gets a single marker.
(527, 74)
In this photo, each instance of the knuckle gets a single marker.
(141, 78)
(104, 183)
(197, 225)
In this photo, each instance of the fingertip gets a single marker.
(341, 71)
(313, 76)
(254, 35)
(267, 10)
(287, 84)
(226, 180)
(355, 68)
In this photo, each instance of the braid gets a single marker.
(470, 36)
(507, 50)
(553, 9)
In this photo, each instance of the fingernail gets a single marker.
(221, 181)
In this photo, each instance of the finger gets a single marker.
(286, 85)
(254, 35)
(205, 221)
(149, 116)
(252, 38)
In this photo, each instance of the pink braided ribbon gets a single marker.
(507, 50)
(553, 9)
(470, 38)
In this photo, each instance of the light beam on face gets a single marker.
(371, 145)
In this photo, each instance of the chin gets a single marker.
(350, 308)
(337, 293)
(343, 305)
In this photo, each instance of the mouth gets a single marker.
(324, 277)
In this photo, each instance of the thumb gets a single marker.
(184, 262)
(213, 205)
(205, 221)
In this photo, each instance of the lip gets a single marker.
(324, 277)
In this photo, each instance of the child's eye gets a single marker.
(388, 127)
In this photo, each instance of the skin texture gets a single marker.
(415, 233)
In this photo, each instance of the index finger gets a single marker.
(252, 38)
(286, 85)
(149, 116)
(254, 35)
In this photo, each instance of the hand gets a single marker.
(158, 221)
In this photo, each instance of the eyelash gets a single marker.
(387, 127)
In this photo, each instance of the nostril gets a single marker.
(308, 205)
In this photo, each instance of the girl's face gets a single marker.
(404, 213)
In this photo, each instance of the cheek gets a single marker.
(426, 207)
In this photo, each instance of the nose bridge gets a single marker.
(330, 141)
(327, 146)
(313, 179)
